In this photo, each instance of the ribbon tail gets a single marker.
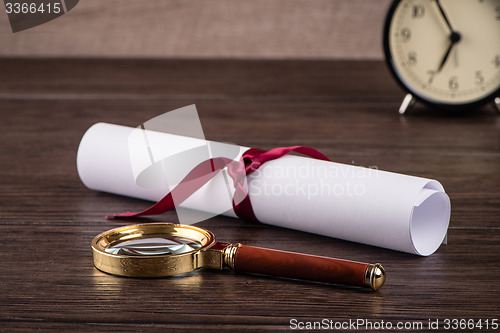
(193, 181)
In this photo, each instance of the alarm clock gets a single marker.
(445, 53)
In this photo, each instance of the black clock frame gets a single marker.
(406, 87)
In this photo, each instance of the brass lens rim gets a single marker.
(149, 266)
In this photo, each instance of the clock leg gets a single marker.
(496, 101)
(408, 102)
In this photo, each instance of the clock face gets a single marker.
(445, 52)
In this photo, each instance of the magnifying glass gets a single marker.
(165, 249)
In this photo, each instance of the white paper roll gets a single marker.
(364, 205)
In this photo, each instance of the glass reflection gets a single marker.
(153, 246)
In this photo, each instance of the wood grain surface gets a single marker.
(346, 109)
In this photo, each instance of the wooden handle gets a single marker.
(300, 266)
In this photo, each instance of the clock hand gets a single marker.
(444, 16)
(454, 38)
(445, 58)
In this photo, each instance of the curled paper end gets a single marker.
(430, 219)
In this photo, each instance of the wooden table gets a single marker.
(346, 109)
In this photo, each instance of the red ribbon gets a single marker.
(250, 161)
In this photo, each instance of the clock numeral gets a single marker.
(432, 75)
(412, 58)
(496, 61)
(497, 10)
(418, 11)
(405, 34)
(453, 83)
(479, 78)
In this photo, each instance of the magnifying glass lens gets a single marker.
(153, 246)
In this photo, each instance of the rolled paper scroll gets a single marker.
(365, 205)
